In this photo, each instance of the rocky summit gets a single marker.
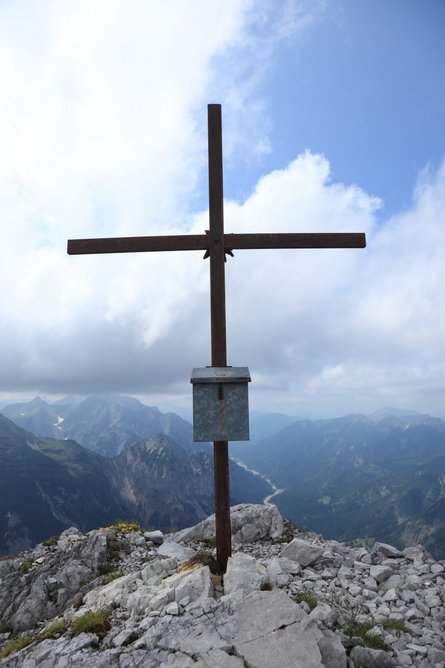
(125, 597)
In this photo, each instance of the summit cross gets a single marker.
(216, 245)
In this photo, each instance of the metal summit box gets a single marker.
(220, 403)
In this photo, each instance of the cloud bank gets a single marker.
(103, 128)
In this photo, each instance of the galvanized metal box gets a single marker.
(220, 403)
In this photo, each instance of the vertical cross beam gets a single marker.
(218, 327)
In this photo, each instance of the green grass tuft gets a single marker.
(361, 630)
(305, 597)
(14, 646)
(394, 625)
(92, 622)
(55, 629)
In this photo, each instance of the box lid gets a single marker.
(221, 374)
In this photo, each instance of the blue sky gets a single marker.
(333, 120)
(364, 86)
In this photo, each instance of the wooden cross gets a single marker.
(216, 245)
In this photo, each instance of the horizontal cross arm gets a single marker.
(138, 244)
(200, 242)
(296, 240)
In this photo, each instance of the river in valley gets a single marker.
(274, 489)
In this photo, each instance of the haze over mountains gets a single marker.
(378, 477)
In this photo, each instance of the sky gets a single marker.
(333, 121)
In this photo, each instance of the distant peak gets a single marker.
(402, 414)
(38, 401)
(390, 410)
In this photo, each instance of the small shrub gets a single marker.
(276, 540)
(305, 597)
(210, 543)
(292, 528)
(106, 569)
(266, 586)
(113, 576)
(289, 532)
(92, 622)
(123, 526)
(14, 646)
(51, 541)
(113, 547)
(26, 566)
(285, 538)
(56, 629)
(116, 547)
(267, 538)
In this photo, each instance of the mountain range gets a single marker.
(355, 478)
(49, 484)
(360, 477)
(105, 424)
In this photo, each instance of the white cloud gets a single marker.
(403, 294)
(387, 334)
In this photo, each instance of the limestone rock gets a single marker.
(385, 550)
(244, 573)
(158, 569)
(174, 549)
(27, 599)
(268, 634)
(276, 574)
(333, 654)
(155, 536)
(363, 657)
(302, 551)
(194, 586)
(249, 522)
(381, 573)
